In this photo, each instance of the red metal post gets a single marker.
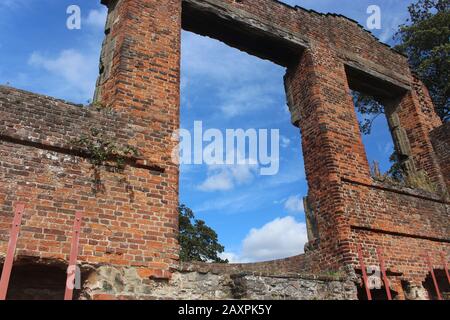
(7, 266)
(364, 273)
(383, 272)
(444, 262)
(430, 266)
(71, 270)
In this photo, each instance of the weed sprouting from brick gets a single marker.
(414, 180)
(102, 150)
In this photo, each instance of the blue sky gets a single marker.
(257, 217)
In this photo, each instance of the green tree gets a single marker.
(425, 40)
(198, 241)
(369, 108)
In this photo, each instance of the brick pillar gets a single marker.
(140, 80)
(321, 105)
(140, 71)
(417, 118)
(140, 65)
(140, 74)
(440, 138)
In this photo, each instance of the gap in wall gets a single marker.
(32, 281)
(375, 132)
(257, 218)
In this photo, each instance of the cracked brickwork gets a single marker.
(130, 223)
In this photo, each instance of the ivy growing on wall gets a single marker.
(102, 150)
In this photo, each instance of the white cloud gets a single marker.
(294, 204)
(245, 99)
(97, 18)
(247, 84)
(77, 70)
(280, 238)
(223, 177)
(221, 180)
(230, 256)
(390, 27)
(214, 60)
(67, 73)
(226, 177)
(285, 141)
(229, 203)
(292, 172)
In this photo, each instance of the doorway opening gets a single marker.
(232, 87)
(442, 282)
(386, 143)
(37, 279)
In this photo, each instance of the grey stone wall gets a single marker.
(126, 283)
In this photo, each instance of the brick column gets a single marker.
(417, 118)
(321, 105)
(141, 56)
(440, 138)
(140, 71)
(140, 80)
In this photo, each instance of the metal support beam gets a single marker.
(444, 262)
(72, 268)
(364, 273)
(7, 266)
(436, 287)
(383, 273)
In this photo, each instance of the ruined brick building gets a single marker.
(128, 236)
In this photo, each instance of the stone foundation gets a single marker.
(130, 218)
(112, 283)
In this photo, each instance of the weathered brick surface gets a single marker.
(418, 214)
(406, 224)
(441, 143)
(418, 118)
(126, 219)
(406, 257)
(132, 219)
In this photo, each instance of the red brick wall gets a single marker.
(130, 222)
(440, 138)
(406, 224)
(405, 256)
